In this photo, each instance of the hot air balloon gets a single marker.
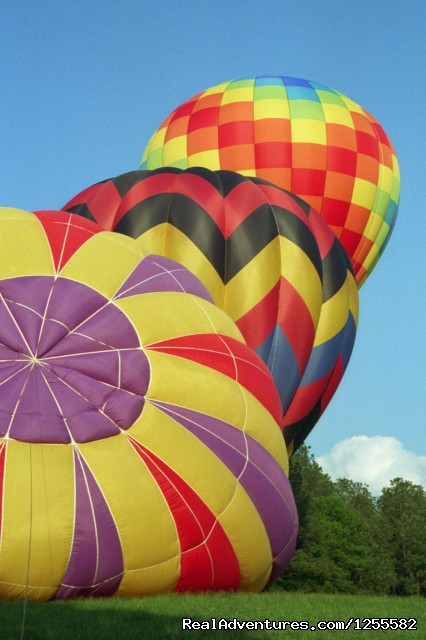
(266, 257)
(140, 450)
(302, 136)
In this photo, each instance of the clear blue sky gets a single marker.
(85, 83)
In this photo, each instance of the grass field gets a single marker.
(160, 618)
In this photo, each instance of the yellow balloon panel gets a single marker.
(37, 518)
(22, 229)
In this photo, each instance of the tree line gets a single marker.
(351, 541)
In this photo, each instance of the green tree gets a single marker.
(403, 508)
(378, 574)
(308, 481)
(350, 541)
(329, 556)
(332, 549)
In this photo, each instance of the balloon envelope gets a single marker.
(140, 450)
(267, 258)
(302, 136)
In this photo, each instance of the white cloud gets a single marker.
(373, 461)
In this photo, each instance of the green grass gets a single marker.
(160, 618)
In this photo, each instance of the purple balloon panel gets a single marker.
(71, 364)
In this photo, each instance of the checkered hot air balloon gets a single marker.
(302, 136)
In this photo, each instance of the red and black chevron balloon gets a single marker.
(267, 258)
